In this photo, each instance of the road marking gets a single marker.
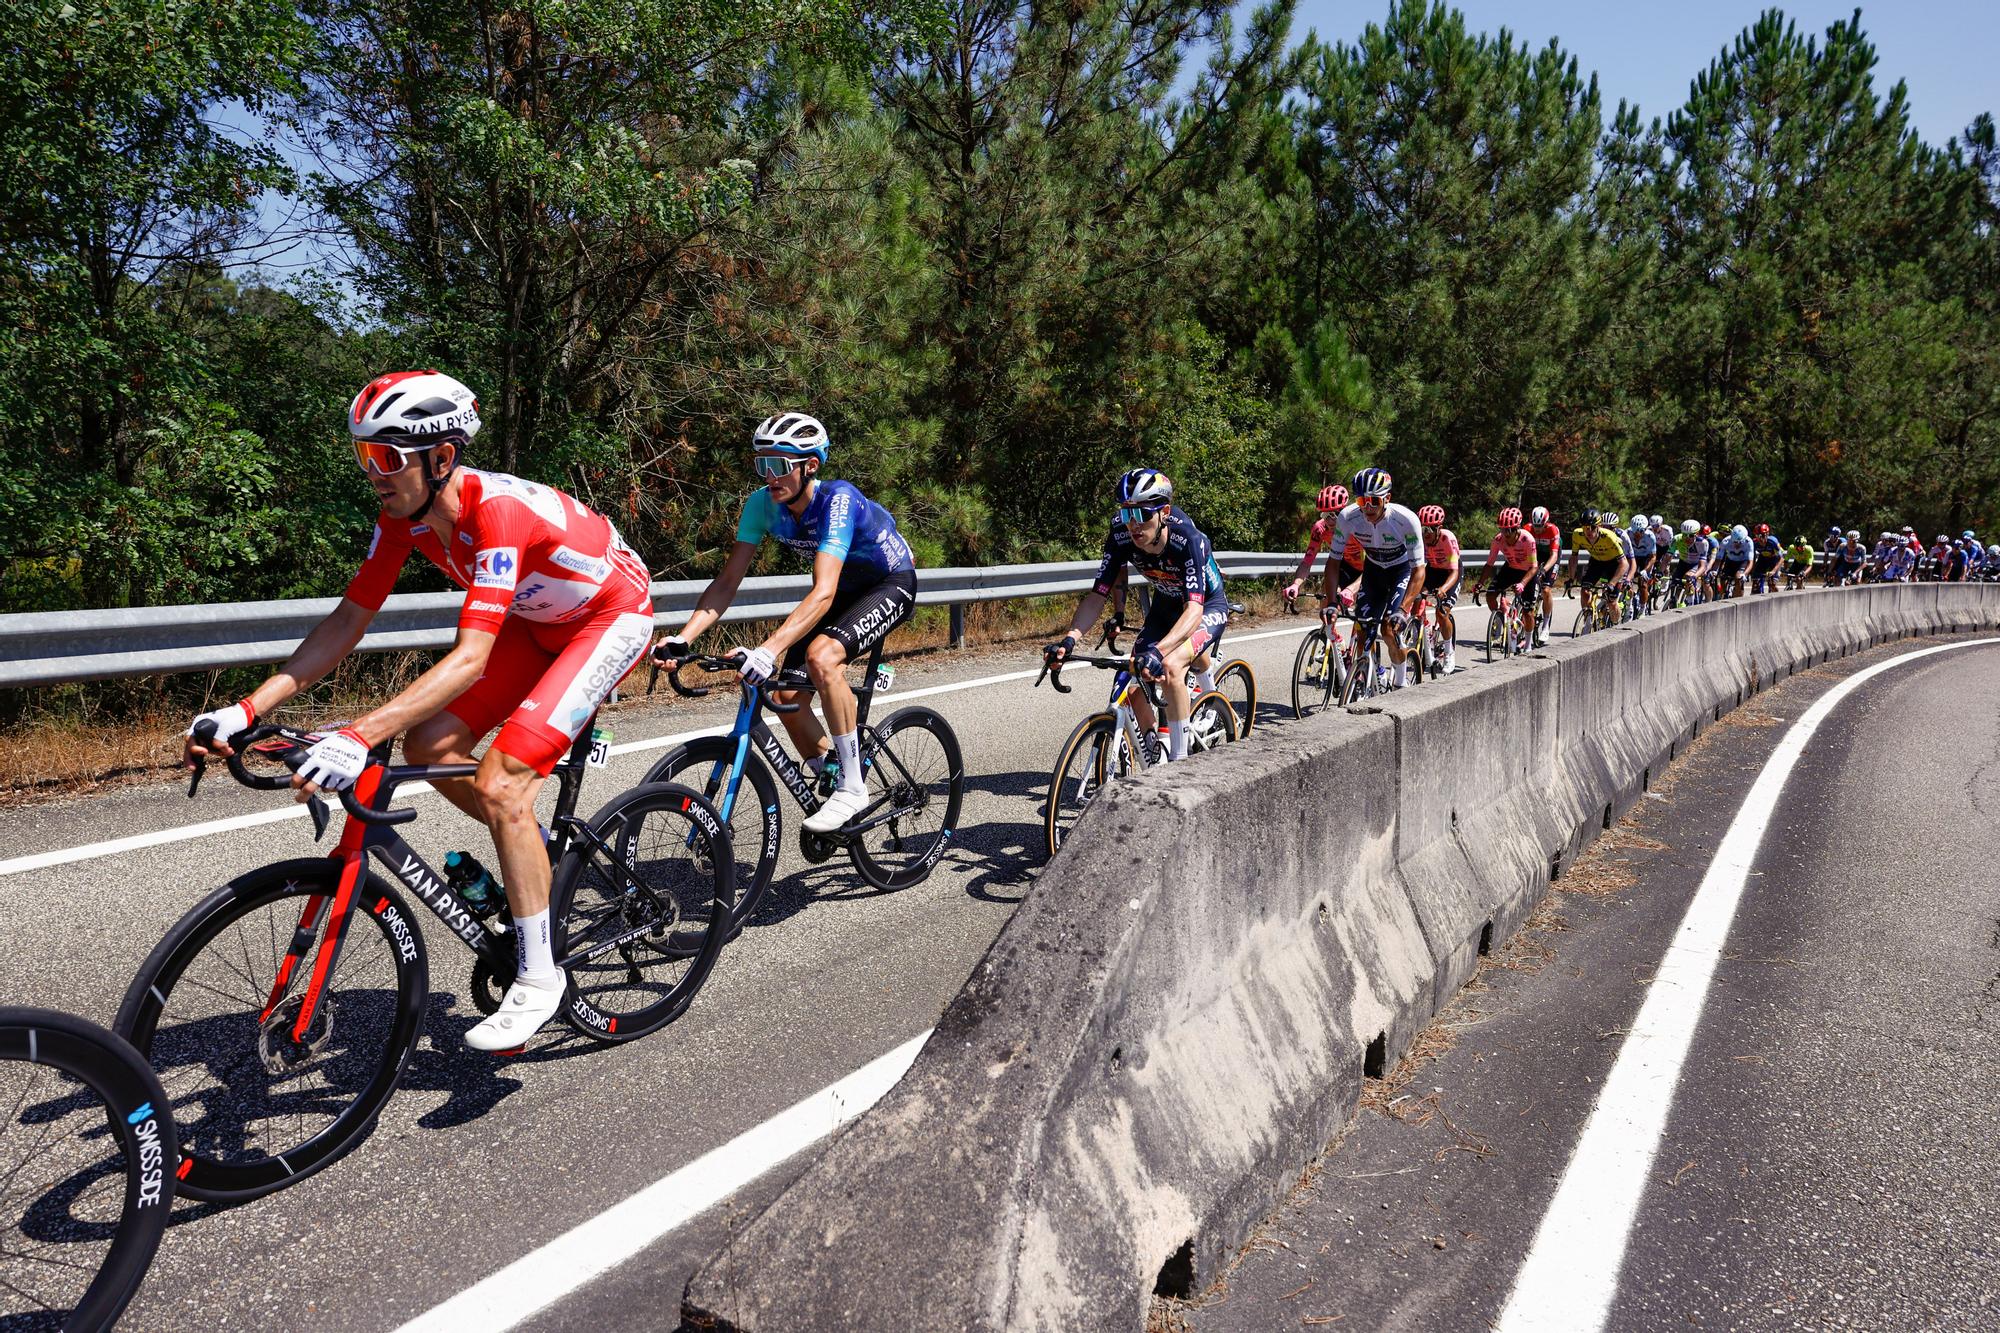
(20, 865)
(1569, 1279)
(590, 1249)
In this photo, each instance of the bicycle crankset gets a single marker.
(816, 847)
(488, 988)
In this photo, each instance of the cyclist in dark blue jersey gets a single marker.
(1188, 611)
(864, 585)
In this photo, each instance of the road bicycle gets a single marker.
(1368, 667)
(1429, 632)
(87, 1154)
(1603, 606)
(1111, 744)
(282, 1010)
(910, 763)
(1321, 666)
(1234, 679)
(1795, 578)
(1507, 633)
(1681, 592)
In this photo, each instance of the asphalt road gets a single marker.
(478, 1161)
(1831, 1157)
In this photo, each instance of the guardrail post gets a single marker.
(958, 624)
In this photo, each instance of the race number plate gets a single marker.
(600, 747)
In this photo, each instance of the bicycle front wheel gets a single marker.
(215, 1010)
(1089, 759)
(87, 1155)
(1238, 683)
(916, 781)
(1313, 669)
(641, 908)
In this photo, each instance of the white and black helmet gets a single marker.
(792, 433)
(414, 408)
(1144, 486)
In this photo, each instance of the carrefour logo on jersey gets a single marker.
(495, 567)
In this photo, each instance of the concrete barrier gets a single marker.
(1178, 1018)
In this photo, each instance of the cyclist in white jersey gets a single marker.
(1392, 544)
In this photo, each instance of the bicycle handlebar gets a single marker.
(293, 756)
(676, 665)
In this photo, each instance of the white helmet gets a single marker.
(1659, 522)
(1638, 523)
(792, 433)
(1690, 527)
(1538, 515)
(1144, 486)
(414, 408)
(1739, 532)
(1854, 534)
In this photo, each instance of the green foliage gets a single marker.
(988, 245)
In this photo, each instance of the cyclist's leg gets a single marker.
(854, 626)
(518, 661)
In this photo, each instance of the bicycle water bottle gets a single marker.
(473, 883)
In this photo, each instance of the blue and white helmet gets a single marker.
(1371, 483)
(1740, 532)
(1639, 523)
(1145, 486)
(792, 433)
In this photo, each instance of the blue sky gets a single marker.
(1948, 51)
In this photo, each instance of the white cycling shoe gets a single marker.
(840, 807)
(524, 1010)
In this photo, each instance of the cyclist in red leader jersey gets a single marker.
(1512, 565)
(1442, 573)
(557, 610)
(1337, 579)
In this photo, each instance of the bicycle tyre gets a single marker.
(1313, 671)
(1496, 630)
(754, 834)
(209, 1171)
(1209, 716)
(1243, 697)
(689, 868)
(134, 1106)
(1360, 682)
(1085, 764)
(912, 787)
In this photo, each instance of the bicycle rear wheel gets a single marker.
(214, 1010)
(1238, 683)
(87, 1154)
(916, 776)
(639, 930)
(1091, 757)
(1313, 675)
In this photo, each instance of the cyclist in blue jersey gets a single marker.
(1188, 611)
(1735, 555)
(864, 585)
(1850, 559)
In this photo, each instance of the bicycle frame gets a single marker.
(371, 833)
(750, 727)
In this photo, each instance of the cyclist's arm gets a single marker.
(720, 592)
(806, 616)
(324, 648)
(427, 696)
(1306, 560)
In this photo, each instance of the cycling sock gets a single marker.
(848, 748)
(1204, 681)
(1177, 740)
(1402, 673)
(533, 962)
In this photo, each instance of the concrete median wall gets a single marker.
(1178, 1018)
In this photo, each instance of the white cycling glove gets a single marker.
(758, 664)
(336, 761)
(229, 722)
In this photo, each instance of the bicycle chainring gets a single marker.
(816, 847)
(488, 988)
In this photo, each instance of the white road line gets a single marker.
(1570, 1277)
(20, 865)
(590, 1249)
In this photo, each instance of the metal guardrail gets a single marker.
(55, 647)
